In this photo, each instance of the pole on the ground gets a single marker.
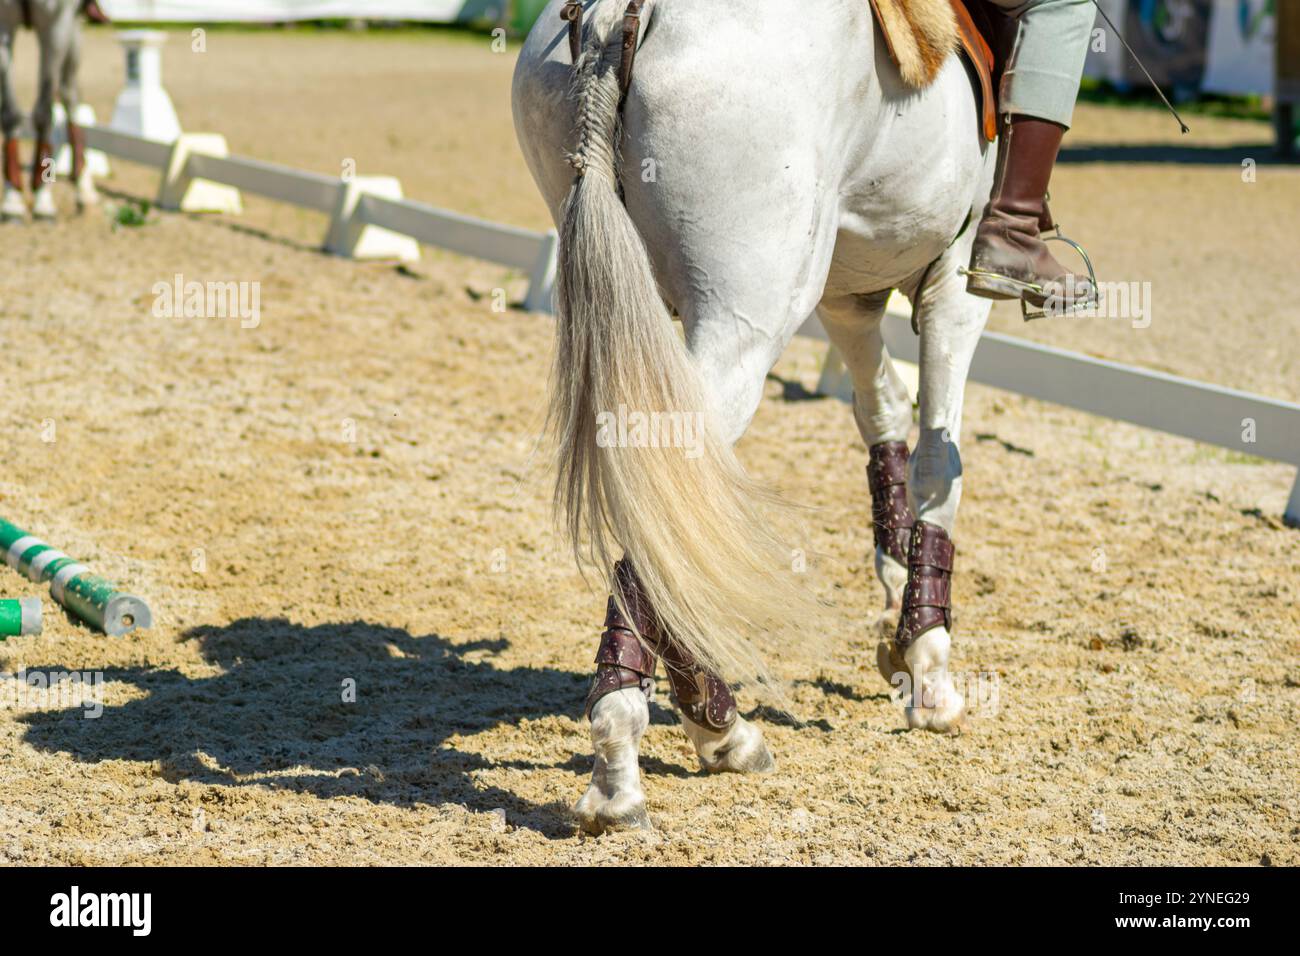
(20, 617)
(87, 596)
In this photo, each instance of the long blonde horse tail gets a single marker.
(696, 529)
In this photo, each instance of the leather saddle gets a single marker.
(977, 38)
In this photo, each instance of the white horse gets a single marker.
(768, 162)
(58, 31)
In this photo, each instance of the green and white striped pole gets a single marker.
(20, 617)
(88, 596)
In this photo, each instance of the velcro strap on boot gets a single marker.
(705, 700)
(622, 661)
(931, 547)
(928, 591)
(619, 647)
(927, 599)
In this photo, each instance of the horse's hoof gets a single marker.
(43, 207)
(87, 196)
(944, 718)
(738, 749)
(12, 208)
(889, 661)
(598, 813)
(941, 706)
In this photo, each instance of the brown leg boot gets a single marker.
(13, 166)
(41, 161)
(12, 207)
(723, 740)
(1009, 259)
(622, 660)
(93, 12)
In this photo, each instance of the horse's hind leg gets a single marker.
(12, 205)
(882, 409)
(951, 322)
(70, 94)
(618, 708)
(55, 31)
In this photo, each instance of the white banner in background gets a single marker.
(262, 11)
(1217, 46)
(1241, 49)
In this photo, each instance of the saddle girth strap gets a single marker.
(927, 599)
(891, 516)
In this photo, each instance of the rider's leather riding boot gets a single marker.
(1010, 260)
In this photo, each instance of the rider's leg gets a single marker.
(1039, 86)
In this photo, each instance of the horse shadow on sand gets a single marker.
(275, 716)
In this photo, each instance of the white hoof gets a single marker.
(614, 799)
(890, 663)
(738, 749)
(12, 206)
(894, 578)
(43, 204)
(87, 194)
(935, 702)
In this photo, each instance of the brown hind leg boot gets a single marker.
(891, 529)
(42, 166)
(705, 700)
(891, 516)
(1009, 259)
(623, 660)
(77, 141)
(93, 12)
(13, 170)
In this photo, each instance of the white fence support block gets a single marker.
(182, 189)
(351, 235)
(1292, 513)
(541, 281)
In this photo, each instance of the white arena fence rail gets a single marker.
(196, 163)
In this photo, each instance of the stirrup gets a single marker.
(1080, 305)
(1037, 290)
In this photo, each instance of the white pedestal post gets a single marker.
(143, 107)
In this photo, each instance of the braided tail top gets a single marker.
(596, 91)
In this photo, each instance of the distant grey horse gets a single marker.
(58, 32)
